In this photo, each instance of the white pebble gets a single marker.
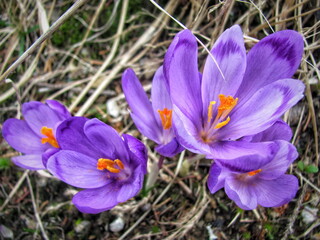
(117, 225)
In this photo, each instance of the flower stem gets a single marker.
(160, 162)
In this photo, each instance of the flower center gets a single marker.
(114, 166)
(225, 107)
(246, 176)
(48, 132)
(221, 119)
(166, 118)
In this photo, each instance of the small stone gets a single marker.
(117, 225)
(212, 236)
(6, 232)
(82, 227)
(146, 207)
(309, 214)
(113, 108)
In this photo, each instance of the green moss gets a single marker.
(70, 32)
(4, 163)
(247, 235)
(155, 229)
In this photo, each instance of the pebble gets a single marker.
(309, 214)
(117, 225)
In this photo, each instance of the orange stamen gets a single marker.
(226, 105)
(252, 173)
(111, 165)
(210, 110)
(166, 118)
(48, 132)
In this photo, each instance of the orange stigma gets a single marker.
(114, 166)
(48, 132)
(226, 105)
(166, 118)
(252, 173)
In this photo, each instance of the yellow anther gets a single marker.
(119, 163)
(113, 170)
(48, 132)
(220, 125)
(166, 118)
(210, 110)
(114, 166)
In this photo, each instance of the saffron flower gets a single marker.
(213, 111)
(94, 157)
(35, 135)
(153, 119)
(250, 182)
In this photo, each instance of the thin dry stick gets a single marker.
(158, 199)
(44, 234)
(313, 226)
(15, 189)
(28, 73)
(198, 40)
(313, 115)
(294, 214)
(43, 37)
(125, 58)
(94, 19)
(108, 60)
(308, 182)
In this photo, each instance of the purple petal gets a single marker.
(234, 153)
(132, 188)
(183, 75)
(230, 54)
(187, 133)
(262, 109)
(160, 97)
(274, 57)
(241, 193)
(47, 154)
(277, 192)
(278, 131)
(106, 139)
(160, 100)
(170, 149)
(216, 178)
(142, 111)
(77, 169)
(59, 108)
(20, 136)
(96, 200)
(138, 149)
(153, 132)
(39, 115)
(168, 57)
(30, 161)
(70, 136)
(286, 154)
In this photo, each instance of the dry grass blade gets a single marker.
(43, 37)
(80, 64)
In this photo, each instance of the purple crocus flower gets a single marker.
(153, 119)
(35, 135)
(250, 182)
(93, 156)
(212, 112)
